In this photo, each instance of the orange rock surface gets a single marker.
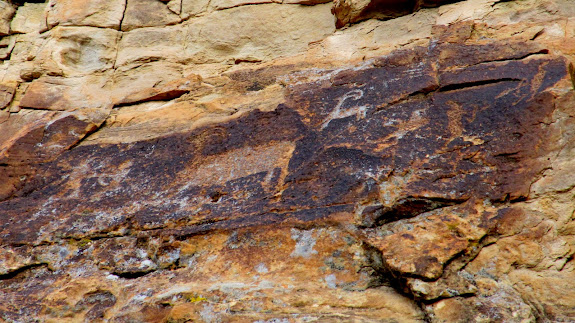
(287, 161)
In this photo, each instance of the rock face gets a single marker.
(217, 161)
(352, 11)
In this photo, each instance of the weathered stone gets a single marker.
(306, 2)
(225, 4)
(491, 308)
(6, 46)
(47, 96)
(63, 94)
(31, 17)
(36, 137)
(139, 79)
(367, 154)
(175, 160)
(352, 11)
(256, 33)
(460, 284)
(24, 48)
(165, 92)
(201, 41)
(147, 120)
(96, 13)
(6, 94)
(11, 260)
(75, 51)
(30, 74)
(124, 256)
(175, 6)
(7, 11)
(423, 247)
(147, 13)
(192, 8)
(152, 44)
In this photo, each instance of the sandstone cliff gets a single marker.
(287, 161)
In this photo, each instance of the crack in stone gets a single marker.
(16, 272)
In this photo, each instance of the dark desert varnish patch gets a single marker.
(450, 127)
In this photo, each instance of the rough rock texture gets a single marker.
(232, 160)
(352, 11)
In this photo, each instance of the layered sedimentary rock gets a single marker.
(352, 11)
(216, 161)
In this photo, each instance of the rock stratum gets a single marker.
(295, 161)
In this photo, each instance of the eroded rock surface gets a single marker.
(352, 11)
(175, 161)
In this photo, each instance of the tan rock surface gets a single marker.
(7, 11)
(256, 33)
(31, 17)
(151, 44)
(72, 51)
(147, 13)
(192, 8)
(95, 13)
(67, 94)
(225, 4)
(244, 161)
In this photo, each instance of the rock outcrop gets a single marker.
(295, 161)
(352, 11)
